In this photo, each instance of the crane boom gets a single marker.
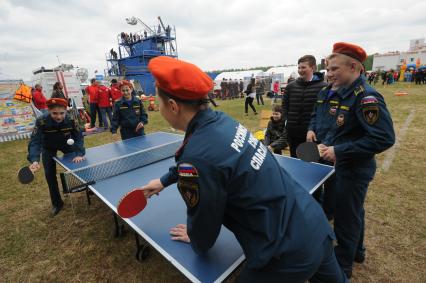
(146, 26)
(161, 22)
(164, 28)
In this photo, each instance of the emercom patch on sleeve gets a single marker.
(370, 109)
(188, 184)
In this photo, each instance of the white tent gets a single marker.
(283, 73)
(239, 75)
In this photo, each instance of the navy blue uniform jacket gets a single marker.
(362, 125)
(228, 177)
(50, 135)
(128, 114)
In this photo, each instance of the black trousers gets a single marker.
(249, 101)
(94, 110)
(328, 201)
(49, 166)
(326, 194)
(259, 97)
(294, 139)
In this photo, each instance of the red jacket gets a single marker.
(92, 92)
(39, 100)
(276, 87)
(104, 96)
(115, 92)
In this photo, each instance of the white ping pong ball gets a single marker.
(70, 141)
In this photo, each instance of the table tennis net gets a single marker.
(81, 177)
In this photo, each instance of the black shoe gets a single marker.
(57, 209)
(359, 258)
(348, 273)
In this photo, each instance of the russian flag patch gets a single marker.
(187, 170)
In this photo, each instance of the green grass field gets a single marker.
(80, 246)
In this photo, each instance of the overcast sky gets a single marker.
(212, 34)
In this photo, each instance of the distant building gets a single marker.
(416, 55)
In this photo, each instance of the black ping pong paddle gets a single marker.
(308, 151)
(25, 175)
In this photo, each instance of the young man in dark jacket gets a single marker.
(299, 100)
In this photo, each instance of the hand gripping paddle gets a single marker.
(25, 175)
(308, 151)
(131, 203)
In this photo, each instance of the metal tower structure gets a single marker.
(136, 49)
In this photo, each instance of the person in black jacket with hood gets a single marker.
(299, 100)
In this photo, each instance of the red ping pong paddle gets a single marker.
(308, 151)
(131, 203)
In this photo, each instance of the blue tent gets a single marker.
(411, 66)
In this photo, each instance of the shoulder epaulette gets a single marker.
(358, 90)
(42, 120)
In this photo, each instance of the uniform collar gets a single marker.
(129, 101)
(201, 118)
(344, 92)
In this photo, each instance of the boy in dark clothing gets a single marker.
(276, 134)
(129, 114)
(54, 131)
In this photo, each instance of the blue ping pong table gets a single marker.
(169, 209)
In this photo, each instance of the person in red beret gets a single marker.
(360, 127)
(129, 114)
(223, 174)
(54, 131)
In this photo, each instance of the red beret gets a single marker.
(180, 79)
(350, 50)
(57, 101)
(125, 83)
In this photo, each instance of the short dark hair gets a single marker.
(310, 59)
(195, 104)
(56, 86)
(92, 81)
(113, 81)
(276, 108)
